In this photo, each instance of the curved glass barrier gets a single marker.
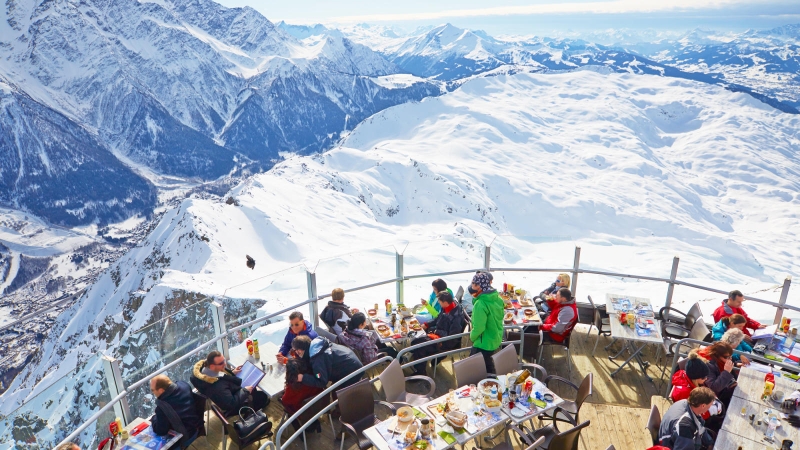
(356, 269)
(532, 252)
(599, 285)
(453, 253)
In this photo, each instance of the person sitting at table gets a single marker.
(296, 393)
(683, 427)
(432, 304)
(720, 370)
(363, 342)
(328, 361)
(449, 323)
(734, 321)
(735, 338)
(175, 409)
(733, 305)
(487, 319)
(297, 327)
(213, 378)
(336, 314)
(693, 376)
(548, 296)
(562, 319)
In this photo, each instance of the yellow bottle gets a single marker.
(768, 386)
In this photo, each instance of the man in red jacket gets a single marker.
(562, 318)
(733, 305)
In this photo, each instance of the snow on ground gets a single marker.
(24, 233)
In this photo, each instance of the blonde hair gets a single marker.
(733, 336)
(564, 279)
(337, 294)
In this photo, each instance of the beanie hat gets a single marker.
(696, 367)
(482, 279)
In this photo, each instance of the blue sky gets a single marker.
(537, 16)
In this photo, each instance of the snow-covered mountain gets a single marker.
(634, 168)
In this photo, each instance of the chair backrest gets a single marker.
(699, 330)
(682, 363)
(568, 440)
(505, 361)
(611, 447)
(470, 370)
(460, 293)
(200, 402)
(393, 382)
(326, 334)
(536, 443)
(693, 315)
(586, 313)
(532, 343)
(654, 423)
(584, 391)
(356, 402)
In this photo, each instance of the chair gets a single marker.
(394, 381)
(470, 370)
(654, 423)
(570, 409)
(699, 330)
(460, 293)
(326, 334)
(611, 447)
(357, 406)
(505, 361)
(603, 324)
(286, 415)
(229, 432)
(532, 343)
(554, 439)
(507, 446)
(677, 325)
(564, 345)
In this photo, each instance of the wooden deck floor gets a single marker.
(618, 408)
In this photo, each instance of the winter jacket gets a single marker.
(550, 290)
(179, 396)
(561, 321)
(287, 341)
(718, 380)
(336, 315)
(331, 362)
(361, 342)
(433, 307)
(682, 429)
(225, 391)
(725, 311)
(716, 334)
(295, 395)
(682, 386)
(448, 324)
(487, 321)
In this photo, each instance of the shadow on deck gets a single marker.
(618, 408)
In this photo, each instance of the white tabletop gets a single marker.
(620, 331)
(611, 298)
(129, 444)
(273, 383)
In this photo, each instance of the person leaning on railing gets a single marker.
(733, 305)
(487, 319)
(329, 362)
(215, 380)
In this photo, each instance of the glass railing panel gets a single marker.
(448, 254)
(554, 252)
(684, 297)
(625, 258)
(355, 269)
(41, 418)
(599, 285)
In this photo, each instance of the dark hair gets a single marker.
(734, 319)
(732, 295)
(212, 355)
(719, 349)
(294, 367)
(445, 296)
(301, 342)
(356, 321)
(701, 396)
(566, 293)
(296, 315)
(439, 284)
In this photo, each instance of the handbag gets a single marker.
(253, 426)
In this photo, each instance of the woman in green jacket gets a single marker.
(487, 319)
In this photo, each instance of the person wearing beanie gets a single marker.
(693, 375)
(487, 319)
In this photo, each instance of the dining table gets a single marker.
(636, 335)
(274, 381)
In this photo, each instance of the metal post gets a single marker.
(218, 313)
(784, 293)
(115, 387)
(672, 275)
(399, 275)
(487, 257)
(576, 264)
(313, 307)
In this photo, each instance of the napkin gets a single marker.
(419, 414)
(449, 438)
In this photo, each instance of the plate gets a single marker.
(484, 386)
(405, 414)
(372, 312)
(517, 412)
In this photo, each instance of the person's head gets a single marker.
(696, 368)
(359, 320)
(337, 295)
(159, 384)
(294, 367)
(700, 399)
(733, 337)
(296, 322)
(300, 345)
(562, 280)
(735, 321)
(735, 298)
(215, 361)
(719, 351)
(439, 285)
(481, 282)
(445, 299)
(68, 446)
(564, 295)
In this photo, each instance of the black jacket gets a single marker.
(718, 380)
(179, 396)
(336, 315)
(330, 362)
(226, 391)
(448, 324)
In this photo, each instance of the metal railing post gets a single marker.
(576, 265)
(784, 294)
(115, 387)
(399, 275)
(487, 257)
(218, 313)
(672, 276)
(313, 307)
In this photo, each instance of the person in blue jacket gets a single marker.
(297, 327)
(432, 304)
(737, 322)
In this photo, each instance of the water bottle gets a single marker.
(771, 426)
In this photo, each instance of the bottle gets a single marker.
(772, 424)
(255, 349)
(249, 344)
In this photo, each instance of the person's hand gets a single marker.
(745, 360)
(279, 357)
(299, 377)
(728, 365)
(762, 326)
(249, 389)
(433, 336)
(424, 302)
(237, 370)
(425, 325)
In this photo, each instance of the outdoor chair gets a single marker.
(677, 325)
(393, 381)
(507, 446)
(286, 416)
(564, 345)
(357, 406)
(554, 439)
(329, 335)
(532, 343)
(569, 410)
(229, 432)
(611, 447)
(603, 325)
(470, 370)
(460, 293)
(654, 423)
(505, 361)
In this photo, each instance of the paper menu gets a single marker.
(767, 332)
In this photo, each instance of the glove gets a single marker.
(433, 336)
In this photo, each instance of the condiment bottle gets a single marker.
(255, 349)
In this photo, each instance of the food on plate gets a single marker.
(492, 403)
(509, 318)
(384, 330)
(405, 414)
(372, 312)
(485, 386)
(507, 304)
(456, 418)
(354, 310)
(525, 301)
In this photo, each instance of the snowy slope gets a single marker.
(635, 169)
